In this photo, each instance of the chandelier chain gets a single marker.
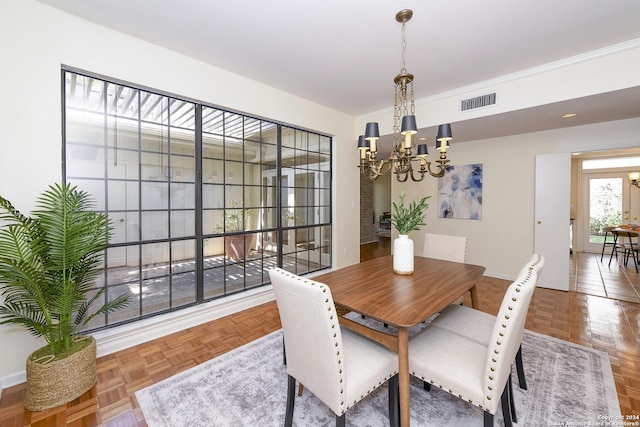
(403, 44)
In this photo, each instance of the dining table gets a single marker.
(372, 289)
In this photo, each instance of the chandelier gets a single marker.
(405, 160)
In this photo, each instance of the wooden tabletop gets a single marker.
(373, 289)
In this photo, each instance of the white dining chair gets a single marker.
(476, 372)
(478, 325)
(338, 366)
(446, 247)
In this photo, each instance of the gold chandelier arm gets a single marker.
(442, 168)
(371, 171)
(402, 177)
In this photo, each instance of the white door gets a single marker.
(552, 222)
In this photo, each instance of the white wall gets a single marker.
(37, 40)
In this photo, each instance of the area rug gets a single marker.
(568, 384)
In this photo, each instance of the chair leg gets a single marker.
(520, 368)
(291, 399)
(394, 401)
(426, 386)
(488, 419)
(284, 353)
(341, 421)
(506, 412)
(635, 259)
(512, 402)
(615, 249)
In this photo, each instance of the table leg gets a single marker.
(403, 369)
(474, 297)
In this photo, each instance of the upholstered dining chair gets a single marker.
(478, 325)
(338, 366)
(476, 372)
(445, 247)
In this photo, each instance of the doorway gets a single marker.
(604, 196)
(605, 200)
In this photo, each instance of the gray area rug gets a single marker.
(568, 385)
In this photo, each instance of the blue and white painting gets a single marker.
(460, 192)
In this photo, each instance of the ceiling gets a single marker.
(344, 54)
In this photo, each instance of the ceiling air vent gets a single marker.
(478, 102)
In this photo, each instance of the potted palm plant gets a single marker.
(48, 265)
(236, 219)
(406, 219)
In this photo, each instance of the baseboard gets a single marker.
(125, 336)
(119, 338)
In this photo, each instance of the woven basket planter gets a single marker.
(60, 381)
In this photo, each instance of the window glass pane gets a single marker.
(154, 195)
(155, 225)
(182, 169)
(155, 257)
(84, 94)
(605, 206)
(212, 171)
(183, 253)
(182, 223)
(620, 162)
(123, 195)
(233, 195)
(182, 195)
(183, 289)
(155, 166)
(123, 164)
(157, 292)
(212, 147)
(234, 173)
(87, 161)
(125, 226)
(252, 174)
(213, 221)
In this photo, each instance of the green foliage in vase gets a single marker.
(49, 263)
(409, 218)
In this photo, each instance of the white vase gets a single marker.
(403, 255)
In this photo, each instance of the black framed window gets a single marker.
(203, 201)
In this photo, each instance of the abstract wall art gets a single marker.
(460, 192)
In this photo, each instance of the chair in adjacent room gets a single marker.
(608, 232)
(338, 366)
(447, 248)
(477, 372)
(627, 242)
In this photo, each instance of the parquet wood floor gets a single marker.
(606, 324)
